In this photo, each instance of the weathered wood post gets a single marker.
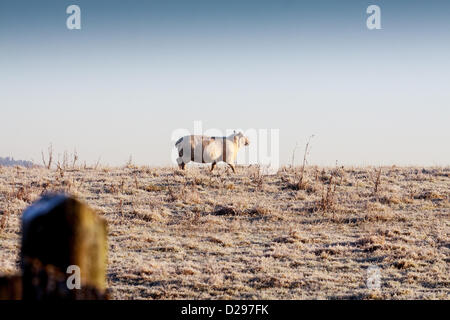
(64, 250)
(11, 287)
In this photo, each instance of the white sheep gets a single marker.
(203, 149)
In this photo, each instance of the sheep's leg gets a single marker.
(213, 165)
(180, 161)
(232, 167)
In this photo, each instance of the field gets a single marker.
(294, 235)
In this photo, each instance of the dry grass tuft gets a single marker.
(225, 211)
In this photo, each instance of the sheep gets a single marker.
(204, 149)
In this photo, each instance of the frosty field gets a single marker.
(199, 235)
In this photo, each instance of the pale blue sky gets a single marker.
(139, 70)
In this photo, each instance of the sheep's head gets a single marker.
(240, 139)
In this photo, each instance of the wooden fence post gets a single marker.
(11, 287)
(60, 236)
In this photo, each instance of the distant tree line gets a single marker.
(9, 162)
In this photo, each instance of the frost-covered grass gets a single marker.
(197, 235)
